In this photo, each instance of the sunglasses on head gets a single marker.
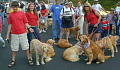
(86, 6)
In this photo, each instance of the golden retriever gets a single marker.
(105, 43)
(92, 51)
(38, 48)
(114, 41)
(63, 43)
(75, 31)
(50, 52)
(72, 53)
(114, 29)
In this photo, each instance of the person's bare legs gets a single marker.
(13, 58)
(96, 36)
(67, 33)
(61, 33)
(28, 57)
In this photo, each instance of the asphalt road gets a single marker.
(57, 63)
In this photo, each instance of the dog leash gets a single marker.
(93, 31)
(37, 37)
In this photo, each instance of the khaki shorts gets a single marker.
(19, 39)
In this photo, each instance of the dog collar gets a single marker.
(79, 46)
(37, 45)
(86, 45)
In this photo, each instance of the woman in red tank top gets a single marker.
(92, 17)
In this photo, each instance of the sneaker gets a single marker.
(3, 45)
(44, 31)
(40, 31)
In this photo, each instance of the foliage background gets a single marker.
(107, 4)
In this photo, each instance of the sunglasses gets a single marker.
(86, 6)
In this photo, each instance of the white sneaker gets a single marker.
(40, 31)
(44, 31)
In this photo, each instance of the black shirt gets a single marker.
(2, 7)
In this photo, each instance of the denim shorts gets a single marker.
(45, 18)
(99, 29)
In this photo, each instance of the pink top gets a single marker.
(0, 25)
(18, 20)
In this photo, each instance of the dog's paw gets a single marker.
(88, 62)
(42, 63)
(48, 59)
(97, 62)
(37, 63)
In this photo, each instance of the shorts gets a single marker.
(99, 29)
(19, 39)
(66, 23)
(45, 18)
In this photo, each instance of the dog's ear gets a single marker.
(48, 41)
(86, 40)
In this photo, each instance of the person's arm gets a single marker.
(73, 18)
(86, 26)
(99, 18)
(8, 31)
(28, 26)
(119, 18)
(38, 25)
(104, 10)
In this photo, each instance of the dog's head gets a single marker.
(50, 41)
(77, 28)
(43, 47)
(83, 39)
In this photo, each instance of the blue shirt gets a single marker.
(56, 9)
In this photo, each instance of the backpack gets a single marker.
(70, 10)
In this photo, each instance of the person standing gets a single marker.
(66, 14)
(56, 9)
(105, 26)
(33, 21)
(116, 13)
(43, 17)
(110, 17)
(2, 12)
(97, 6)
(79, 16)
(18, 35)
(93, 17)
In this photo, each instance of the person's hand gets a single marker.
(60, 17)
(27, 31)
(108, 29)
(103, 29)
(87, 33)
(7, 37)
(73, 22)
(96, 25)
(31, 30)
(38, 29)
(76, 20)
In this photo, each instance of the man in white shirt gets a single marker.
(97, 6)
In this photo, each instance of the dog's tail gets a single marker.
(107, 57)
(56, 44)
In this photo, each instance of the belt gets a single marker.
(33, 26)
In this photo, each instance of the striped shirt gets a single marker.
(105, 25)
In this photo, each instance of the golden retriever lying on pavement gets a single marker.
(72, 53)
(114, 41)
(50, 52)
(75, 31)
(92, 51)
(63, 43)
(105, 43)
(38, 48)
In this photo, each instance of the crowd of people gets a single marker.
(23, 23)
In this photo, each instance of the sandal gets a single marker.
(11, 64)
(30, 62)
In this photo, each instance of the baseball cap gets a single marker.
(95, 0)
(66, 2)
